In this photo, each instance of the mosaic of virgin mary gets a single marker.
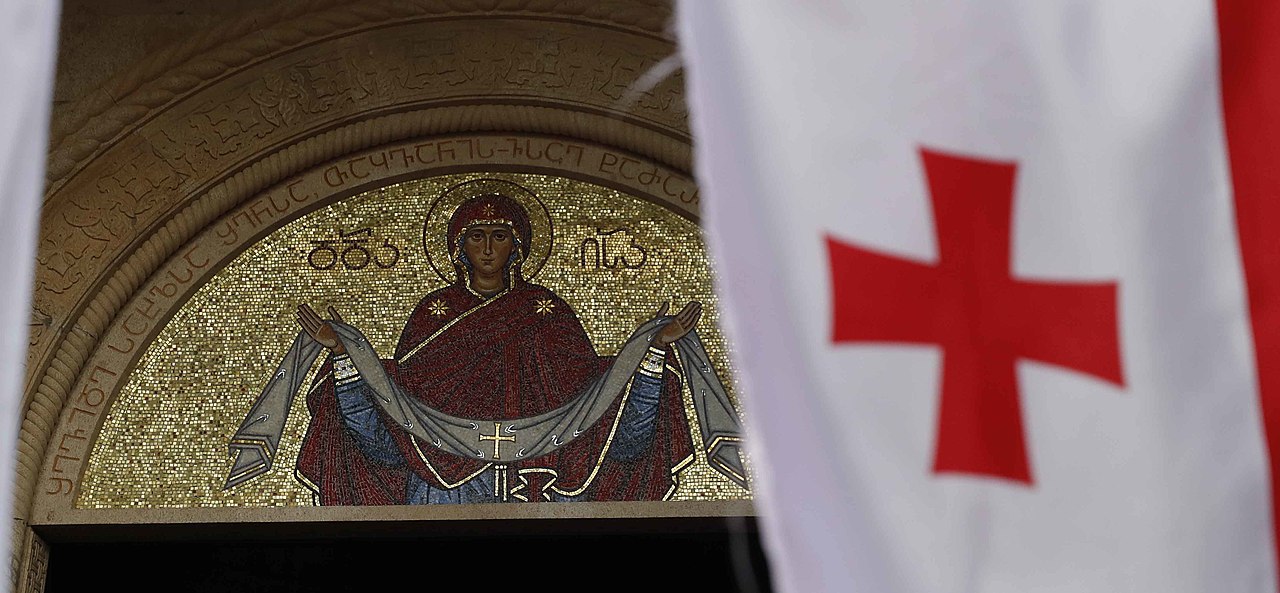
(494, 393)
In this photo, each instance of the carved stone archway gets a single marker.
(142, 167)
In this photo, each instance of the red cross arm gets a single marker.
(982, 317)
(881, 298)
(1071, 325)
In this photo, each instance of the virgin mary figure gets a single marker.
(492, 346)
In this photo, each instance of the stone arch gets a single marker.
(159, 153)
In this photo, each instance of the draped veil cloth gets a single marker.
(510, 381)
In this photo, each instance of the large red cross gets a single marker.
(983, 318)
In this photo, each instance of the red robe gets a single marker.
(517, 355)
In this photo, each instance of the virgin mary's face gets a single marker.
(488, 247)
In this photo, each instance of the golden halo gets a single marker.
(436, 230)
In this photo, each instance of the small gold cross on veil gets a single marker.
(497, 438)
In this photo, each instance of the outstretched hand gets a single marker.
(319, 329)
(680, 325)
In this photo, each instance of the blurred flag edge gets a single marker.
(28, 51)
(802, 557)
(1155, 138)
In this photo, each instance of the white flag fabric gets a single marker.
(28, 41)
(1004, 282)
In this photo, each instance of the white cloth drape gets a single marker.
(809, 120)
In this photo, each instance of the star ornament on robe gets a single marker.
(545, 306)
(438, 308)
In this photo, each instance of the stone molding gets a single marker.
(32, 561)
(218, 241)
(90, 126)
(142, 166)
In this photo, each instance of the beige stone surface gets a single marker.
(101, 38)
(172, 114)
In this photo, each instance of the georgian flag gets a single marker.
(1004, 281)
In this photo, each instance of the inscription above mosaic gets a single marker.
(543, 386)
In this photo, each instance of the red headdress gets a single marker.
(490, 209)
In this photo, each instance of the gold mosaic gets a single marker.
(614, 259)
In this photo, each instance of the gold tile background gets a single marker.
(163, 443)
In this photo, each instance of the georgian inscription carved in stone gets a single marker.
(118, 179)
(167, 288)
(73, 442)
(144, 176)
(632, 170)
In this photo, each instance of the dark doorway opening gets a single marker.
(704, 555)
